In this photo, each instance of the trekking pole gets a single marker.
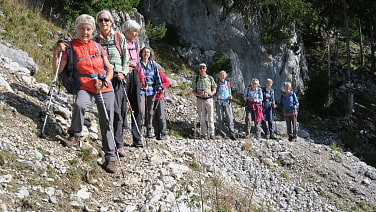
(275, 122)
(130, 107)
(111, 131)
(233, 117)
(50, 92)
(203, 119)
(146, 119)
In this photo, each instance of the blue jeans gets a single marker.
(267, 123)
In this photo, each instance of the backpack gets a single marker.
(210, 77)
(117, 42)
(264, 102)
(66, 77)
(228, 85)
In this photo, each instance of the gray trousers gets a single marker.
(84, 101)
(224, 114)
(147, 110)
(159, 120)
(291, 124)
(250, 116)
(205, 111)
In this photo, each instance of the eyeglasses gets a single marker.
(103, 19)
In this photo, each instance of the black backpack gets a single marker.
(66, 76)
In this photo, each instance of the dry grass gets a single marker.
(30, 32)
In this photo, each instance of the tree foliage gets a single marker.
(280, 17)
(155, 33)
(70, 9)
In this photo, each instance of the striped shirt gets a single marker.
(206, 84)
(119, 63)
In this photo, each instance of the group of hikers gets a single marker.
(258, 108)
(112, 71)
(117, 76)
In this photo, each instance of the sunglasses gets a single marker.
(103, 19)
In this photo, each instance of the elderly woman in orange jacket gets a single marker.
(92, 82)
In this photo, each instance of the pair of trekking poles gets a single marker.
(51, 91)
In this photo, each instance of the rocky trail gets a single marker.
(178, 174)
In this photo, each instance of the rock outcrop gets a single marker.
(208, 27)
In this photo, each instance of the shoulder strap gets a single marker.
(152, 62)
(94, 55)
(117, 42)
(294, 97)
(71, 60)
(135, 46)
(228, 85)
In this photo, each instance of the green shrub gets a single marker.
(218, 63)
(155, 33)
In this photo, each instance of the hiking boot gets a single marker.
(213, 137)
(148, 133)
(267, 137)
(204, 137)
(290, 138)
(233, 137)
(109, 166)
(121, 152)
(138, 145)
(163, 137)
(273, 137)
(72, 141)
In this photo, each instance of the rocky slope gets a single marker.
(179, 174)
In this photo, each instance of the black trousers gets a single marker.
(133, 89)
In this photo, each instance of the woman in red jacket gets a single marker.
(92, 81)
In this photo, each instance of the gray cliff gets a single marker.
(207, 28)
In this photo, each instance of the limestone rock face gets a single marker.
(207, 28)
(21, 57)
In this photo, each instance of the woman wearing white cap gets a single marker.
(253, 98)
(92, 84)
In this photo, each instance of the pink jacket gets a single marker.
(161, 94)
